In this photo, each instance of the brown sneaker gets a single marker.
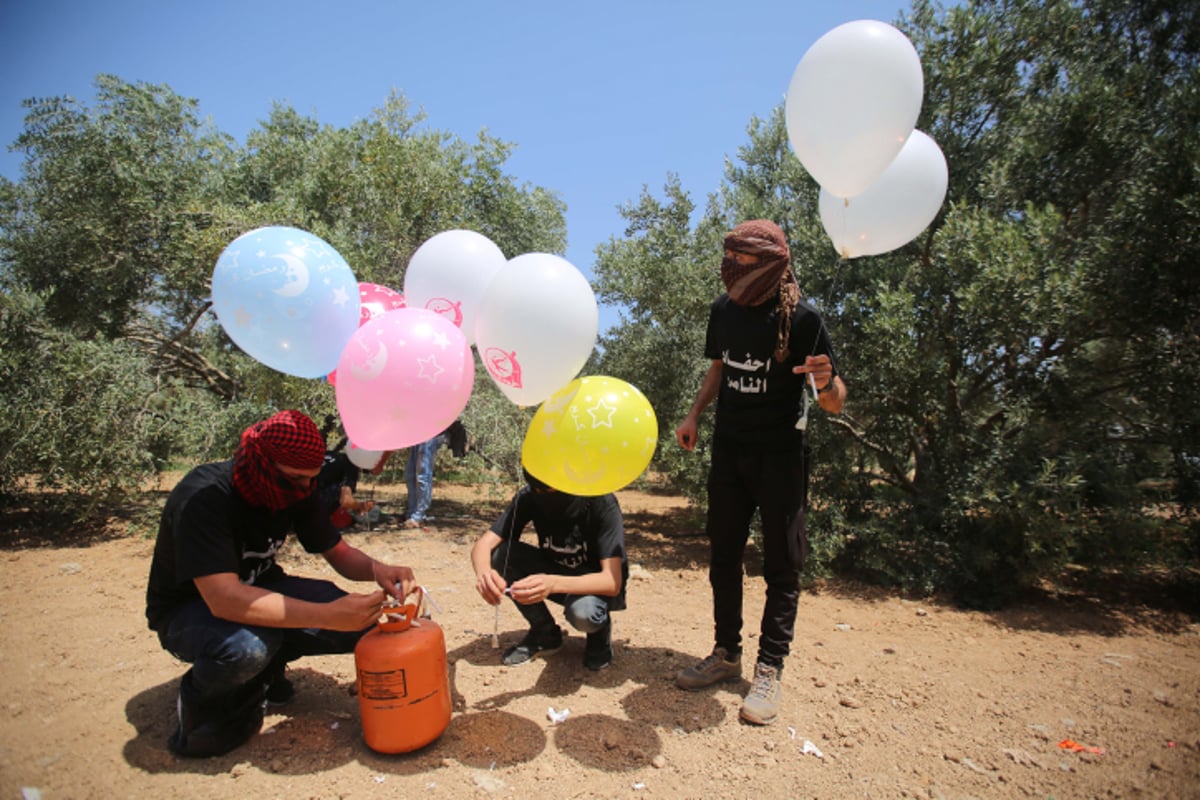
(716, 667)
(761, 705)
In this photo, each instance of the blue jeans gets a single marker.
(226, 656)
(587, 613)
(418, 475)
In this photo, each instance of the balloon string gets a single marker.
(371, 500)
(512, 524)
(837, 272)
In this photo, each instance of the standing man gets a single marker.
(217, 599)
(768, 350)
(418, 475)
(579, 562)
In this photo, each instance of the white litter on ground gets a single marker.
(812, 749)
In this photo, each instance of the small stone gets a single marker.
(612, 740)
(639, 573)
(658, 762)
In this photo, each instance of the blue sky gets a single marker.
(600, 98)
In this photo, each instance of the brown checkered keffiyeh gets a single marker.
(757, 283)
(289, 438)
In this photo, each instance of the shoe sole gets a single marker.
(599, 667)
(755, 720)
(697, 687)
(545, 651)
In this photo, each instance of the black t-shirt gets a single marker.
(577, 535)
(207, 528)
(336, 471)
(760, 399)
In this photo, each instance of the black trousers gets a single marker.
(774, 484)
(588, 613)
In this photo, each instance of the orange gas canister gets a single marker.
(403, 683)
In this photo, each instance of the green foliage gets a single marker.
(78, 418)
(113, 364)
(1023, 366)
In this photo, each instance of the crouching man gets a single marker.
(579, 562)
(218, 600)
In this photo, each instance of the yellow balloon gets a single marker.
(591, 437)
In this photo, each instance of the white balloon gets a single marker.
(449, 274)
(852, 102)
(364, 459)
(536, 327)
(895, 208)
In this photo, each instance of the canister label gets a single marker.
(385, 685)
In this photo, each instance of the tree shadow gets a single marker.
(1080, 602)
(490, 739)
(602, 741)
(316, 732)
(607, 743)
(44, 521)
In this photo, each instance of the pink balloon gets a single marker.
(374, 302)
(403, 378)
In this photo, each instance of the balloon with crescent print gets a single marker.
(287, 299)
(376, 300)
(370, 367)
(403, 378)
(295, 276)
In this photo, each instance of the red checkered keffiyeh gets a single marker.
(289, 438)
(757, 283)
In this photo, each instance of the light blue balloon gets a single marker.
(287, 299)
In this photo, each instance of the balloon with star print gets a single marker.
(592, 437)
(403, 378)
(287, 299)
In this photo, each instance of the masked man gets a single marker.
(769, 355)
(218, 600)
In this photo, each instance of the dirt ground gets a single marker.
(884, 697)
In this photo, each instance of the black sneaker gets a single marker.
(598, 653)
(280, 692)
(536, 641)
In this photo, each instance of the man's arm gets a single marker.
(535, 588)
(709, 387)
(488, 582)
(354, 564)
(230, 599)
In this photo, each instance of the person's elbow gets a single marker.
(221, 595)
(614, 582)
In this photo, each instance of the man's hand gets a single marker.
(490, 586)
(532, 589)
(819, 367)
(397, 581)
(354, 611)
(685, 434)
